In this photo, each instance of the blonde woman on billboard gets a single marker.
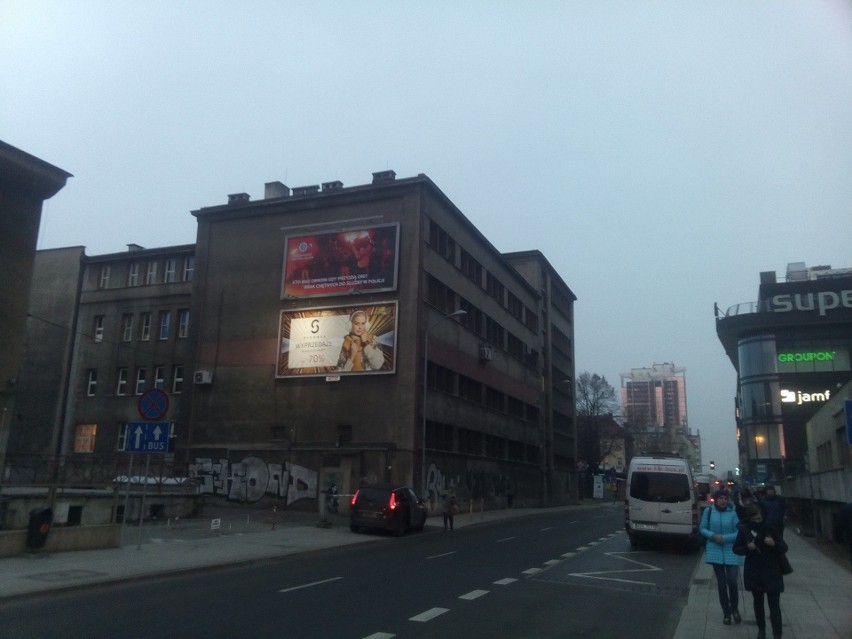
(361, 350)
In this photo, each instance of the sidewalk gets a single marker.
(817, 601)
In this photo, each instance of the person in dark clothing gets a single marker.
(743, 499)
(845, 525)
(762, 546)
(774, 509)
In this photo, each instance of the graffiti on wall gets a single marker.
(476, 484)
(252, 478)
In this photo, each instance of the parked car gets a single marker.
(387, 506)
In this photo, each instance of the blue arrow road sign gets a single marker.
(147, 437)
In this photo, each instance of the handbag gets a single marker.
(786, 568)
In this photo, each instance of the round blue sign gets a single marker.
(153, 404)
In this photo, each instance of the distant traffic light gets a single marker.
(712, 464)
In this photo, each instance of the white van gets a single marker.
(661, 501)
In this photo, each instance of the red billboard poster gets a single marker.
(341, 340)
(339, 262)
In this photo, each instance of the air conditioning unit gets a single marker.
(203, 377)
(485, 354)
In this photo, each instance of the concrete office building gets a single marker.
(791, 350)
(25, 183)
(372, 333)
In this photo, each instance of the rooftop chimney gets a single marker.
(272, 190)
(238, 198)
(384, 176)
(305, 190)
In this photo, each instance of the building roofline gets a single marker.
(28, 172)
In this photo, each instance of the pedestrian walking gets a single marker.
(763, 548)
(844, 523)
(774, 509)
(449, 507)
(719, 527)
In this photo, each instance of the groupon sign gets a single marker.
(810, 356)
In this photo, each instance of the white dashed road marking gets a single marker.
(315, 583)
(429, 614)
(531, 571)
(474, 594)
(443, 554)
(380, 635)
(505, 582)
(500, 541)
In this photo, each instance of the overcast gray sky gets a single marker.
(660, 154)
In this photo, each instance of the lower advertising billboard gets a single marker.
(338, 340)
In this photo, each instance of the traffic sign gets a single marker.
(147, 437)
(153, 404)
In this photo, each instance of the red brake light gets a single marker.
(392, 504)
(355, 496)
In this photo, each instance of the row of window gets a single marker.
(447, 300)
(173, 270)
(141, 381)
(163, 329)
(446, 246)
(448, 381)
(454, 439)
(85, 436)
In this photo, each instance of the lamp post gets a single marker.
(425, 392)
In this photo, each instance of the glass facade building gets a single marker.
(791, 350)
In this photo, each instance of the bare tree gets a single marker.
(596, 403)
(595, 396)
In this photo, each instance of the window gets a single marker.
(494, 333)
(133, 275)
(515, 306)
(177, 379)
(91, 382)
(165, 324)
(471, 268)
(495, 399)
(473, 319)
(188, 268)
(470, 389)
(145, 327)
(151, 274)
(169, 273)
(127, 327)
(104, 280)
(122, 437)
(98, 328)
(440, 296)
(160, 377)
(141, 374)
(84, 438)
(121, 386)
(442, 242)
(183, 322)
(494, 288)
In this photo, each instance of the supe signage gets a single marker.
(820, 302)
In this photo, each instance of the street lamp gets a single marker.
(425, 392)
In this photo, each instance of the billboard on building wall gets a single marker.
(340, 340)
(338, 262)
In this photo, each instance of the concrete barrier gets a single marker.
(62, 539)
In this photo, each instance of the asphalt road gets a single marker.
(553, 575)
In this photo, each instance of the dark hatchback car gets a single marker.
(387, 506)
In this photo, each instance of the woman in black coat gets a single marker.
(763, 547)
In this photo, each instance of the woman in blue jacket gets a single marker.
(719, 527)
